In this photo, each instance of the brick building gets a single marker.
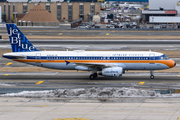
(61, 11)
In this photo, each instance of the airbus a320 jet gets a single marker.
(105, 63)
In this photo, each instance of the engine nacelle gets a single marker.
(83, 68)
(112, 71)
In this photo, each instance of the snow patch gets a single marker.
(4, 84)
(108, 92)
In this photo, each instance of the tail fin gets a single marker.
(19, 43)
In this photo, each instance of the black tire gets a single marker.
(95, 75)
(152, 76)
(92, 77)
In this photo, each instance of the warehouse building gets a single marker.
(162, 11)
(12, 12)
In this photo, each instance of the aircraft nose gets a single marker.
(174, 64)
(171, 64)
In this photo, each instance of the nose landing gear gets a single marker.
(151, 76)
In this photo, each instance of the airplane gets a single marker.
(105, 63)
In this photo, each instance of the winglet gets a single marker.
(19, 43)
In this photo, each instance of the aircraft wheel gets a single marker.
(92, 77)
(152, 76)
(95, 74)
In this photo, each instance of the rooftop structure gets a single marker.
(39, 16)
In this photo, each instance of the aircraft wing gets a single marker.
(95, 65)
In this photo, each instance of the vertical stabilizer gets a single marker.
(19, 43)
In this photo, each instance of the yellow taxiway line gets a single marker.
(9, 63)
(39, 82)
(141, 83)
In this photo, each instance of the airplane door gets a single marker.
(106, 58)
(38, 59)
(152, 58)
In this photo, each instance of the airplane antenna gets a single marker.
(149, 50)
(66, 49)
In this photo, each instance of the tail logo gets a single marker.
(18, 41)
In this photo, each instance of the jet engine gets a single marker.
(112, 71)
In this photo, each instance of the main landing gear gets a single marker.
(93, 75)
(151, 76)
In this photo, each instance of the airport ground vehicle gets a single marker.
(163, 26)
(137, 26)
(178, 26)
(83, 26)
(105, 63)
(158, 27)
(109, 26)
(151, 27)
(116, 26)
(97, 26)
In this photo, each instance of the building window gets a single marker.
(24, 8)
(92, 9)
(9, 12)
(81, 9)
(5, 8)
(70, 12)
(13, 7)
(48, 7)
(59, 12)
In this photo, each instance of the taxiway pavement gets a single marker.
(17, 82)
(89, 109)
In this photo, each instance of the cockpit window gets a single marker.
(164, 57)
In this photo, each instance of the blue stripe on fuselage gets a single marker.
(93, 58)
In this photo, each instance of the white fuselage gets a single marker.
(79, 60)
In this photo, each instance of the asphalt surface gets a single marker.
(104, 42)
(17, 82)
(100, 44)
(110, 32)
(61, 27)
(87, 109)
